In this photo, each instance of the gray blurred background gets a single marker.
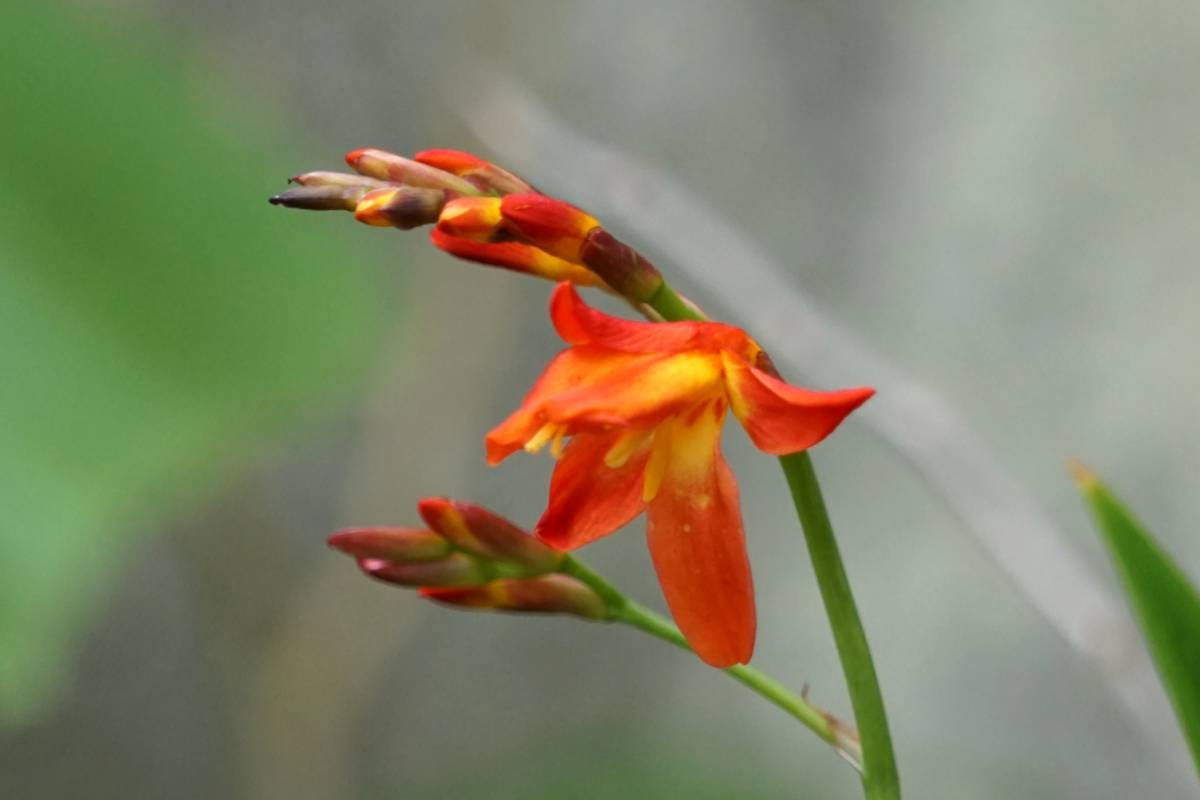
(985, 210)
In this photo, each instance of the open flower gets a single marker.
(642, 406)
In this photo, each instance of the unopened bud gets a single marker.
(391, 544)
(476, 530)
(322, 178)
(554, 594)
(403, 207)
(620, 266)
(483, 174)
(552, 225)
(321, 198)
(456, 569)
(398, 169)
(471, 217)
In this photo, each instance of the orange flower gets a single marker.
(642, 405)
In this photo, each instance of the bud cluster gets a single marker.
(472, 558)
(481, 213)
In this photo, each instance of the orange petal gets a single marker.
(579, 323)
(588, 498)
(782, 418)
(590, 389)
(515, 256)
(694, 529)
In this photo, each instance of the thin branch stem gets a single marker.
(826, 726)
(880, 778)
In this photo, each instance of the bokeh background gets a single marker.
(988, 208)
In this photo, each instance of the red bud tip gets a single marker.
(548, 594)
(482, 173)
(391, 544)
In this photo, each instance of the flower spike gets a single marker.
(483, 213)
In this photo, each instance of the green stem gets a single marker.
(880, 778)
(826, 726)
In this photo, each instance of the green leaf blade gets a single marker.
(1165, 602)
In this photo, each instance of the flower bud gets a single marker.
(517, 256)
(390, 167)
(471, 217)
(322, 178)
(554, 594)
(391, 544)
(620, 266)
(320, 197)
(482, 173)
(552, 225)
(403, 207)
(456, 569)
(478, 531)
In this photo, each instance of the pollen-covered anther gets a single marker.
(626, 445)
(544, 435)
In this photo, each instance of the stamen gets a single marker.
(541, 438)
(656, 467)
(556, 446)
(626, 445)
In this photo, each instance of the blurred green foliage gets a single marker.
(157, 321)
(1166, 603)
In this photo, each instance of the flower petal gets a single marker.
(694, 529)
(588, 498)
(781, 418)
(590, 389)
(578, 323)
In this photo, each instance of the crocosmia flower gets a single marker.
(633, 412)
